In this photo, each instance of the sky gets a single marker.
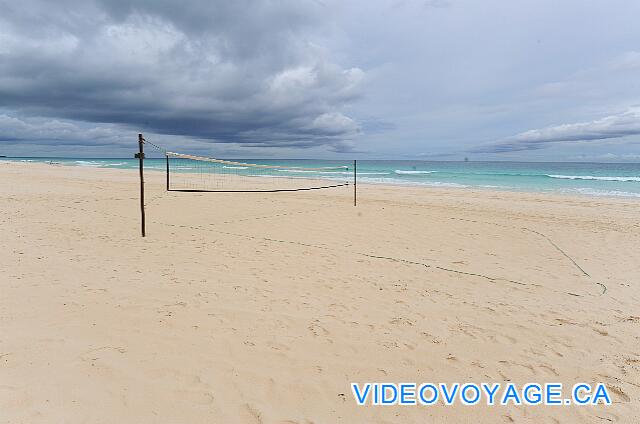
(530, 80)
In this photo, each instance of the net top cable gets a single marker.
(227, 162)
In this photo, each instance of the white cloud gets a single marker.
(610, 127)
(608, 157)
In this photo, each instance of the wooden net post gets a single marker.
(167, 156)
(140, 155)
(355, 183)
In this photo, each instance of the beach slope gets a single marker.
(263, 308)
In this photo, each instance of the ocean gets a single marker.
(589, 179)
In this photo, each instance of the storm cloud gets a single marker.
(241, 72)
(383, 79)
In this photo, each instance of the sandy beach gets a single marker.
(263, 308)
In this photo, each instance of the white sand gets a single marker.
(264, 307)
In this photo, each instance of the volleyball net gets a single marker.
(190, 173)
(193, 173)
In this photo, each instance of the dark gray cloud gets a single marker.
(610, 127)
(242, 72)
(285, 77)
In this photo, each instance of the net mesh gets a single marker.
(196, 173)
(186, 172)
(190, 173)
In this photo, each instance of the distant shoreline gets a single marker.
(372, 182)
(470, 161)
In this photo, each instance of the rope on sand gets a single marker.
(604, 288)
(401, 260)
(456, 271)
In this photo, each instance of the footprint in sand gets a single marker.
(618, 391)
(511, 364)
(507, 419)
(599, 331)
(250, 414)
(565, 321)
(502, 339)
(549, 369)
(477, 364)
(402, 321)
(317, 330)
(338, 307)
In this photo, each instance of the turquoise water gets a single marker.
(591, 179)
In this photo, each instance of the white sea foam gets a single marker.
(605, 193)
(90, 163)
(235, 167)
(298, 177)
(441, 184)
(402, 172)
(351, 173)
(394, 181)
(370, 173)
(591, 177)
(295, 170)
